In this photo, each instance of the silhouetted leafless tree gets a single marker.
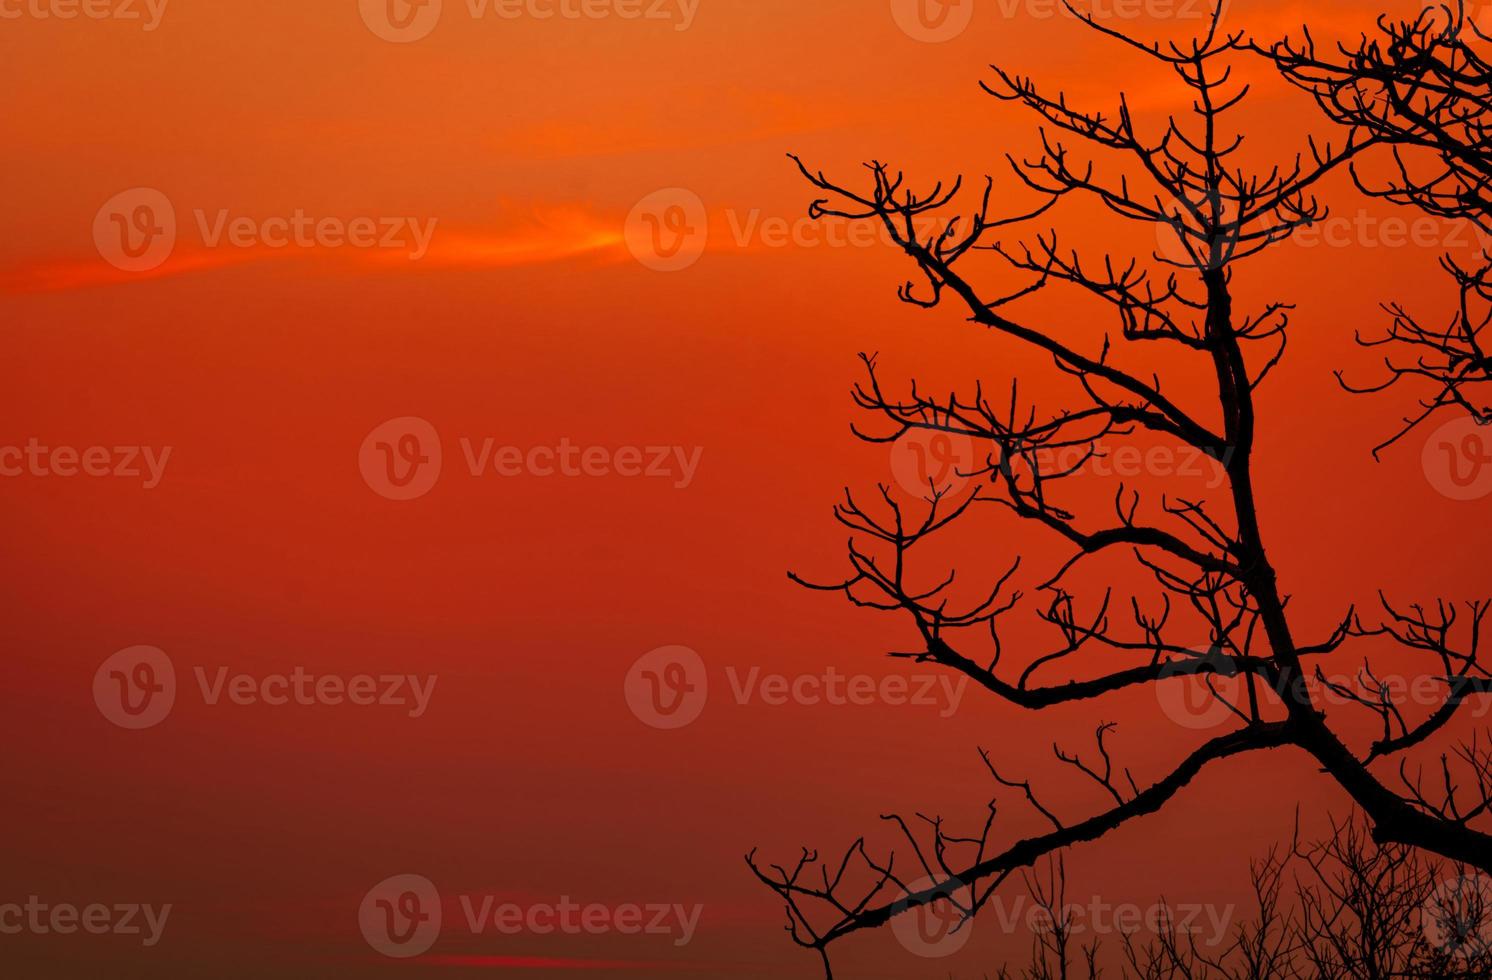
(1423, 87)
(1209, 559)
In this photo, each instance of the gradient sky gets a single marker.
(529, 141)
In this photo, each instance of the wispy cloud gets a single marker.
(542, 235)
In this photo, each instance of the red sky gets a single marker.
(528, 321)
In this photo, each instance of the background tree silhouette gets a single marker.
(1341, 907)
(1208, 558)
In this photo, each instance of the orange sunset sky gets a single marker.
(533, 150)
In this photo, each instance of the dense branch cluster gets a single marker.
(1207, 558)
(1344, 906)
(1424, 88)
